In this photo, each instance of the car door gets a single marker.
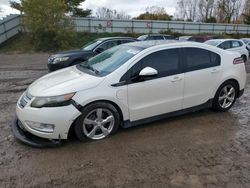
(202, 70)
(160, 94)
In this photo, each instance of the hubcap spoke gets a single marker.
(104, 131)
(222, 98)
(224, 103)
(231, 91)
(108, 119)
(225, 90)
(99, 114)
(231, 99)
(92, 132)
(89, 121)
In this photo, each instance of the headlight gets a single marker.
(59, 59)
(61, 100)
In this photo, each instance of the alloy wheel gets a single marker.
(227, 96)
(98, 124)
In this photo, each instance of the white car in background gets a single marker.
(231, 45)
(127, 85)
(246, 41)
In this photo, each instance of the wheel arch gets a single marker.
(110, 102)
(230, 80)
(101, 100)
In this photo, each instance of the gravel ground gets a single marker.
(203, 149)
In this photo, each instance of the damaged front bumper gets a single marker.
(26, 137)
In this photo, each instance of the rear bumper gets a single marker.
(23, 136)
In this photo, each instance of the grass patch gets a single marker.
(21, 43)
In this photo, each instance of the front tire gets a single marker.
(98, 121)
(225, 96)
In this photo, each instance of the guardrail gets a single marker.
(9, 27)
(154, 26)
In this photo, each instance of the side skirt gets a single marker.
(128, 123)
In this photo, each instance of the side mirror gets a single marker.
(99, 50)
(148, 71)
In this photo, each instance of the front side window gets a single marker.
(225, 45)
(166, 62)
(197, 59)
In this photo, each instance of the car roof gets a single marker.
(151, 43)
(223, 40)
(111, 38)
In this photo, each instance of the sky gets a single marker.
(131, 7)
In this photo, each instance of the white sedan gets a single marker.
(127, 85)
(233, 45)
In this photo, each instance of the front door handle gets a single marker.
(176, 79)
(215, 70)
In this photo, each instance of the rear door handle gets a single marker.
(176, 79)
(215, 70)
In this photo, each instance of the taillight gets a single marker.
(238, 60)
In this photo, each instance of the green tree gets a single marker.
(72, 7)
(211, 20)
(154, 13)
(247, 19)
(47, 24)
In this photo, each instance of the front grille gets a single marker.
(25, 99)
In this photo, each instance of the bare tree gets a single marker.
(228, 10)
(206, 9)
(187, 9)
(107, 13)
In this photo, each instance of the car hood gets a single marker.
(70, 53)
(62, 82)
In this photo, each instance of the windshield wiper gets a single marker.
(88, 66)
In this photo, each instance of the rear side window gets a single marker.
(127, 40)
(109, 44)
(236, 44)
(155, 38)
(197, 59)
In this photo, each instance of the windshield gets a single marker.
(212, 42)
(91, 45)
(143, 37)
(111, 59)
(245, 41)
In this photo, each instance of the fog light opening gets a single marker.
(41, 127)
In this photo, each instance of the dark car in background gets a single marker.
(73, 57)
(201, 39)
(156, 37)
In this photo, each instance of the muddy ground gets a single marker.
(203, 149)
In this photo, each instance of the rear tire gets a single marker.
(225, 96)
(244, 58)
(98, 121)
